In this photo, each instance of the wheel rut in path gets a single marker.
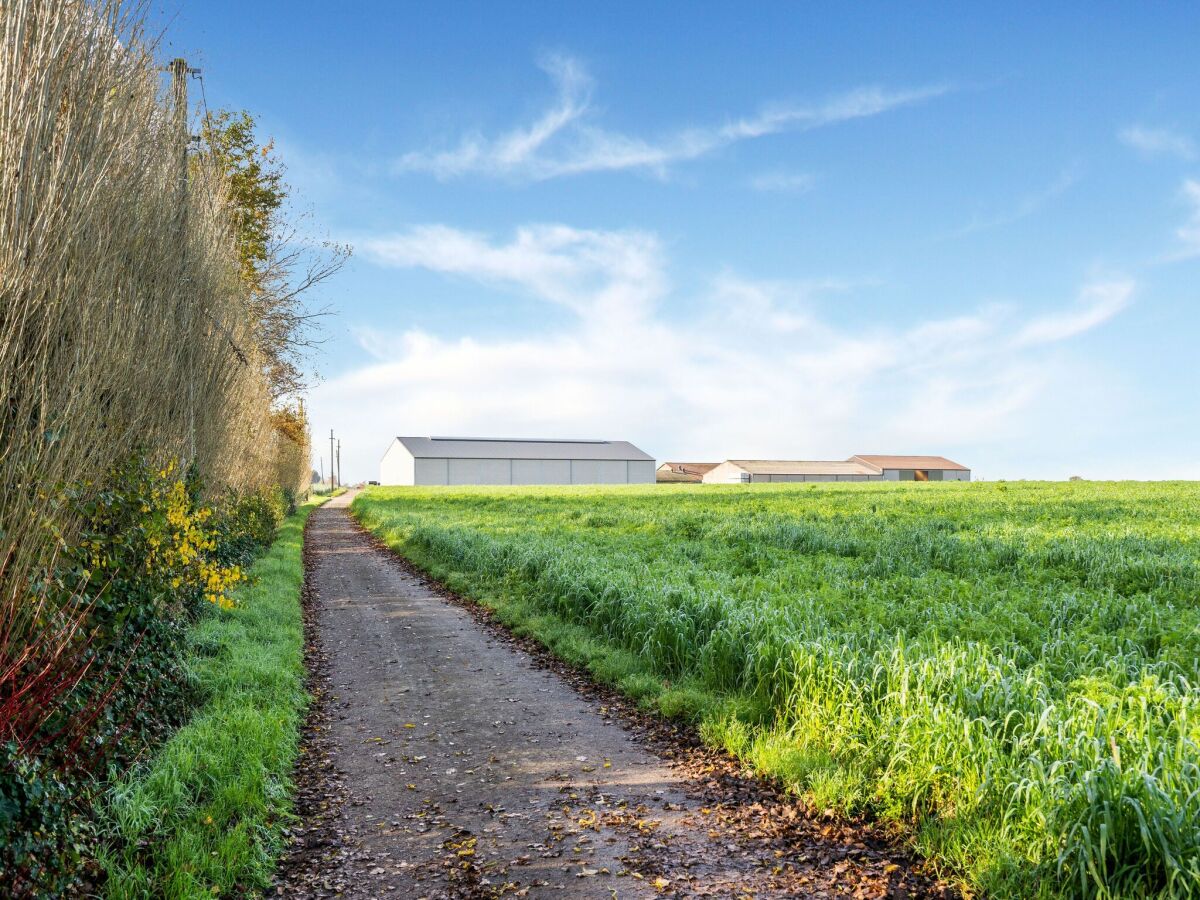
(442, 760)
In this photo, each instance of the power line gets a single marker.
(199, 75)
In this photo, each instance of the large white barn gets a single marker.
(451, 460)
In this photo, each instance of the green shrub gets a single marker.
(108, 678)
(205, 815)
(41, 842)
(246, 523)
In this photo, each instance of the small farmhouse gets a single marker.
(450, 460)
(682, 472)
(869, 467)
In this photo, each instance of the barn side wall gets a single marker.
(599, 471)
(479, 471)
(541, 471)
(725, 473)
(396, 467)
(440, 470)
(641, 471)
(431, 471)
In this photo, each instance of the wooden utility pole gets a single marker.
(179, 73)
(332, 483)
(339, 460)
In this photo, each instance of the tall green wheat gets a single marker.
(1009, 672)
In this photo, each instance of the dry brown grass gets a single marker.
(123, 318)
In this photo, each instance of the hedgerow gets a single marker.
(150, 436)
(205, 814)
(149, 557)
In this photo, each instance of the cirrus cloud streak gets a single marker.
(566, 140)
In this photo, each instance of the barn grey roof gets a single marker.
(802, 467)
(519, 448)
(886, 461)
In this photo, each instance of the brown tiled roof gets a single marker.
(883, 461)
(683, 471)
(803, 467)
(690, 468)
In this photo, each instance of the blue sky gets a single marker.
(770, 231)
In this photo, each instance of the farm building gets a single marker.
(915, 468)
(448, 460)
(869, 467)
(759, 471)
(682, 472)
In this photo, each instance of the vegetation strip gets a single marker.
(752, 812)
(152, 429)
(1006, 671)
(317, 846)
(206, 816)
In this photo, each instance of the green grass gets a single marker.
(1007, 672)
(204, 817)
(336, 492)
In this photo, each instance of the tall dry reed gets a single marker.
(124, 322)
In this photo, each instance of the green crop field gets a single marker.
(1008, 672)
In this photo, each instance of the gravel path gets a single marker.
(443, 760)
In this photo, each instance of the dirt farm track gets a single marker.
(446, 758)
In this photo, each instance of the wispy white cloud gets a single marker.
(565, 140)
(783, 182)
(1097, 303)
(747, 368)
(1158, 142)
(1189, 232)
(598, 274)
(517, 147)
(1025, 207)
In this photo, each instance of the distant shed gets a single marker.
(451, 460)
(759, 471)
(683, 472)
(867, 467)
(915, 468)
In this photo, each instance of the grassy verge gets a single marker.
(336, 492)
(204, 817)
